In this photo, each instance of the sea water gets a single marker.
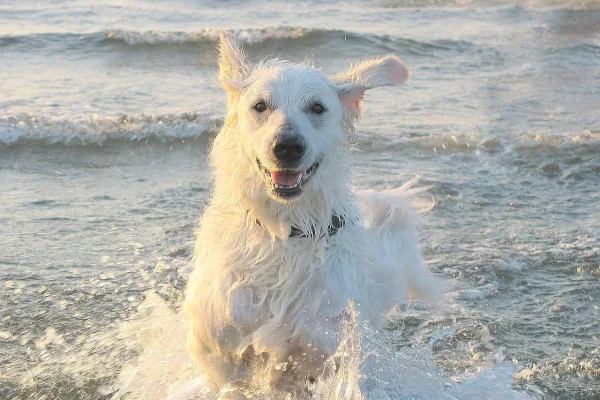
(107, 110)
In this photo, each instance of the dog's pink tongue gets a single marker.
(286, 178)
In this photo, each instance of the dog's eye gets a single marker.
(317, 108)
(260, 107)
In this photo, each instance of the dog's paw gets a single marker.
(231, 394)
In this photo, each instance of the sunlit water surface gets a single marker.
(107, 110)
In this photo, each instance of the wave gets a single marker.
(156, 37)
(293, 36)
(27, 129)
(530, 4)
(577, 365)
(245, 36)
(257, 36)
(521, 145)
(96, 130)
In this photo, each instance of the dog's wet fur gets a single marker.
(264, 307)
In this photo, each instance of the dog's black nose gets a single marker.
(289, 148)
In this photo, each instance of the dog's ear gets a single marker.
(232, 63)
(356, 80)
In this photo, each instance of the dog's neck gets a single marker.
(312, 214)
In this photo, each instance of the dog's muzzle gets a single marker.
(287, 183)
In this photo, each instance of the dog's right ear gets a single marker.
(233, 67)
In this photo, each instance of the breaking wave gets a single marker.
(587, 142)
(96, 130)
(247, 36)
(208, 37)
(27, 129)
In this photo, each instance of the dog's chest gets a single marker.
(289, 280)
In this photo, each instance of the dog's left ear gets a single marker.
(233, 67)
(356, 80)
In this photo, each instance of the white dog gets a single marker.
(285, 243)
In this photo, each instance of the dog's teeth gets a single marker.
(277, 186)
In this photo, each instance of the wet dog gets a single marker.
(285, 242)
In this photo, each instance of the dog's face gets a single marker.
(291, 118)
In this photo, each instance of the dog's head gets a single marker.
(291, 118)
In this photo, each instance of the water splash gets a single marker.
(368, 367)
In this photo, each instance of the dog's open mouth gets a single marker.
(288, 183)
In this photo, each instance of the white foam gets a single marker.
(245, 36)
(98, 130)
(370, 368)
(474, 145)
(149, 351)
(474, 294)
(510, 266)
(163, 369)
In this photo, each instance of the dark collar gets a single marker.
(336, 223)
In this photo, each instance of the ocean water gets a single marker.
(107, 109)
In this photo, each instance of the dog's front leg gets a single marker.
(226, 374)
